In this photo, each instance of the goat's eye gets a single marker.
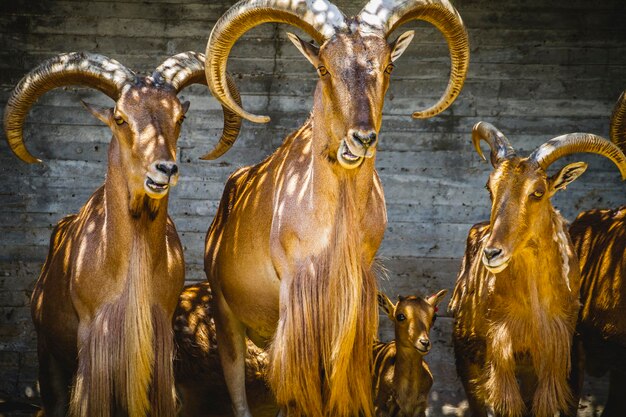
(537, 194)
(119, 120)
(389, 69)
(181, 119)
(400, 317)
(322, 71)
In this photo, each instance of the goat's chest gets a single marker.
(520, 323)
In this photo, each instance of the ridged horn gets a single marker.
(181, 70)
(388, 15)
(319, 18)
(187, 68)
(232, 124)
(571, 143)
(76, 68)
(500, 146)
(618, 123)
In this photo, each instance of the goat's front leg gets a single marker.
(54, 382)
(231, 346)
(576, 376)
(502, 389)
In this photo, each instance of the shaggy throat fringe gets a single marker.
(321, 356)
(125, 365)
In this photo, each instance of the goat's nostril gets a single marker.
(168, 168)
(364, 138)
(425, 342)
(491, 253)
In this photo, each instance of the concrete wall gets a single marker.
(538, 69)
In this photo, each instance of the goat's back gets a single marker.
(599, 237)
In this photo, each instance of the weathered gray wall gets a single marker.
(538, 69)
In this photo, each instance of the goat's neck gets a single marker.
(131, 224)
(408, 366)
(411, 378)
(543, 269)
(362, 176)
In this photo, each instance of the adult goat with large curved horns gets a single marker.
(103, 304)
(516, 302)
(289, 254)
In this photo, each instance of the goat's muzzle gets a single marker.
(423, 345)
(495, 259)
(161, 176)
(356, 146)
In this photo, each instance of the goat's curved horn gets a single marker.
(76, 68)
(500, 146)
(319, 18)
(618, 123)
(388, 15)
(571, 143)
(232, 124)
(187, 68)
(181, 70)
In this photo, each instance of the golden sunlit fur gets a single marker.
(518, 323)
(329, 318)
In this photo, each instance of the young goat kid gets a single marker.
(402, 379)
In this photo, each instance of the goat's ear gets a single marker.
(104, 114)
(435, 299)
(185, 107)
(399, 45)
(310, 51)
(565, 176)
(385, 304)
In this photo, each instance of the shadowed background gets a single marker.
(538, 69)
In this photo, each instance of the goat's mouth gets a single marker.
(423, 350)
(156, 189)
(349, 157)
(496, 265)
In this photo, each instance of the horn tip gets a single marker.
(420, 115)
(258, 119)
(209, 157)
(29, 159)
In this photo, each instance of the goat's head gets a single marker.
(520, 189)
(146, 124)
(354, 61)
(145, 121)
(413, 318)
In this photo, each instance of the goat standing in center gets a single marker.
(289, 254)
